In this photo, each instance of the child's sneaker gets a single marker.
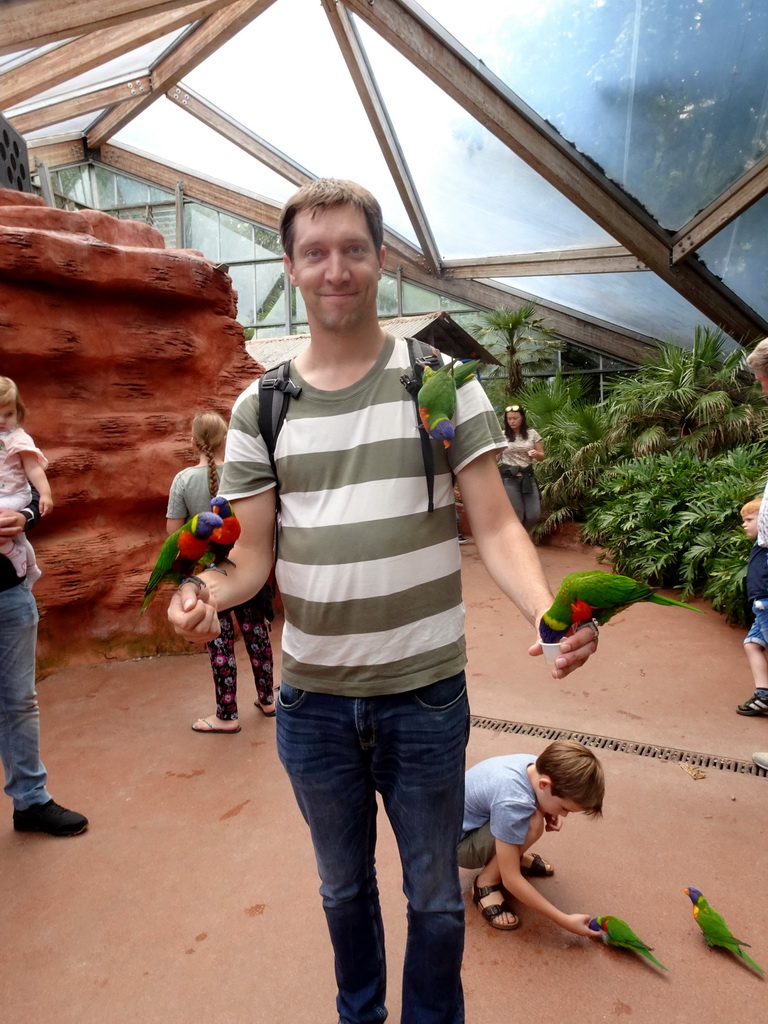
(754, 706)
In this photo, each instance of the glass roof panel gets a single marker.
(480, 198)
(170, 135)
(136, 62)
(74, 126)
(307, 107)
(739, 255)
(669, 97)
(639, 302)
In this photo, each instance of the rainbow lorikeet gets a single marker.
(185, 552)
(716, 931)
(594, 595)
(437, 397)
(223, 537)
(618, 933)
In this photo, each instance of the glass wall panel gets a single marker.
(386, 300)
(236, 238)
(75, 183)
(104, 191)
(245, 286)
(130, 191)
(667, 96)
(201, 230)
(270, 292)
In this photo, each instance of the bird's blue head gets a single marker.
(207, 522)
(593, 924)
(443, 431)
(549, 635)
(694, 894)
(221, 506)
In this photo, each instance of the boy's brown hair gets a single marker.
(576, 774)
(751, 507)
(324, 194)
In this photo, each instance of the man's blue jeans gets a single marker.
(338, 752)
(25, 776)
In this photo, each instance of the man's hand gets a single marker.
(11, 522)
(575, 649)
(193, 613)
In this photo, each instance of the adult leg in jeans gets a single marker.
(25, 776)
(323, 742)
(419, 769)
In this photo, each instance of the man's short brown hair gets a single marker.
(576, 774)
(323, 194)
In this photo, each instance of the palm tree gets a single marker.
(703, 400)
(517, 337)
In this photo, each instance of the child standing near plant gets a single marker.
(756, 640)
(21, 464)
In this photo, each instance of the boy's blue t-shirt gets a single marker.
(499, 790)
(757, 573)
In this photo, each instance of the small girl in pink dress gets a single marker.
(21, 464)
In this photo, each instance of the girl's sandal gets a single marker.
(491, 913)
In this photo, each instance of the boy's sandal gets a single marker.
(491, 913)
(538, 868)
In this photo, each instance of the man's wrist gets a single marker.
(29, 516)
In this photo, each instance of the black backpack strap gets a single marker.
(422, 355)
(276, 389)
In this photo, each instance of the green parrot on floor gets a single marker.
(594, 595)
(437, 397)
(184, 553)
(618, 933)
(716, 931)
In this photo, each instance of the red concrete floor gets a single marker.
(193, 895)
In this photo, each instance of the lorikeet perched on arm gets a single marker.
(223, 537)
(595, 595)
(183, 553)
(618, 933)
(716, 931)
(437, 397)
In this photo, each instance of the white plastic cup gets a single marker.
(550, 652)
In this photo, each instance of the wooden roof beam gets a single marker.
(71, 59)
(196, 46)
(239, 135)
(31, 120)
(610, 259)
(25, 24)
(726, 207)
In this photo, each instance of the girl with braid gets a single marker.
(191, 492)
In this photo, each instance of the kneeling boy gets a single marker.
(510, 801)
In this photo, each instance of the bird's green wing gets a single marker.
(168, 554)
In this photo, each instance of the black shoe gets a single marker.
(754, 706)
(50, 818)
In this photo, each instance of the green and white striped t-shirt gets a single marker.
(370, 580)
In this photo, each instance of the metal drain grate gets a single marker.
(692, 757)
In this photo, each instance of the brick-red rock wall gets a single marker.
(115, 343)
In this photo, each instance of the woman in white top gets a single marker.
(516, 465)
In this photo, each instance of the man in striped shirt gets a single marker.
(373, 693)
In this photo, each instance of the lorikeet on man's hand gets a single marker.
(594, 595)
(223, 537)
(618, 933)
(437, 397)
(185, 552)
(716, 931)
